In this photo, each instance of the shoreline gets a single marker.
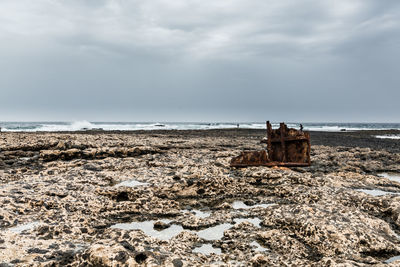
(362, 138)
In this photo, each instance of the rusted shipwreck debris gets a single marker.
(286, 147)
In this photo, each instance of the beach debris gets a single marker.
(286, 147)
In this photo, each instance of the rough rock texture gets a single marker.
(61, 203)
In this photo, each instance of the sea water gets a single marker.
(132, 126)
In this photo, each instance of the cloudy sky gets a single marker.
(200, 60)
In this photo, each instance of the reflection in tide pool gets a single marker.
(130, 183)
(148, 228)
(202, 214)
(255, 221)
(207, 249)
(23, 227)
(211, 233)
(391, 176)
(241, 205)
(215, 232)
(375, 192)
(258, 246)
(392, 259)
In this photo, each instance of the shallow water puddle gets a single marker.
(375, 192)
(391, 176)
(207, 249)
(215, 232)
(241, 205)
(392, 259)
(259, 248)
(201, 214)
(23, 227)
(148, 228)
(211, 233)
(130, 183)
(255, 221)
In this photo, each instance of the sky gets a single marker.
(200, 60)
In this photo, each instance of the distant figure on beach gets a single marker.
(238, 125)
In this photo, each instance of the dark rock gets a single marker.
(37, 251)
(92, 167)
(122, 256)
(63, 257)
(201, 191)
(122, 196)
(177, 262)
(127, 246)
(42, 230)
(141, 257)
(159, 225)
(190, 182)
(54, 246)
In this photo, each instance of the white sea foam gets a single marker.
(74, 126)
(133, 126)
(119, 126)
(340, 128)
(392, 136)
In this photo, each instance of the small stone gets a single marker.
(127, 246)
(159, 225)
(141, 257)
(177, 262)
(121, 256)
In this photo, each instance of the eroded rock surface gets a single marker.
(61, 203)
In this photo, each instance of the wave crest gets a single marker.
(81, 125)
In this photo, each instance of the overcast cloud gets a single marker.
(200, 60)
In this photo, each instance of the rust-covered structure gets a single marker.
(285, 147)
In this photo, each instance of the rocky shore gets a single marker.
(170, 198)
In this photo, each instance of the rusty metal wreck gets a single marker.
(286, 147)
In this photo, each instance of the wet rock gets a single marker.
(160, 225)
(177, 262)
(127, 246)
(122, 256)
(141, 257)
(92, 167)
(37, 251)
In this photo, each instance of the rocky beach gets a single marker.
(170, 198)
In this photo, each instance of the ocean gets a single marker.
(132, 126)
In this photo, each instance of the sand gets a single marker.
(170, 198)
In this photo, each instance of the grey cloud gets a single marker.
(199, 60)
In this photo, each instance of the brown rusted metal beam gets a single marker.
(269, 140)
(282, 129)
